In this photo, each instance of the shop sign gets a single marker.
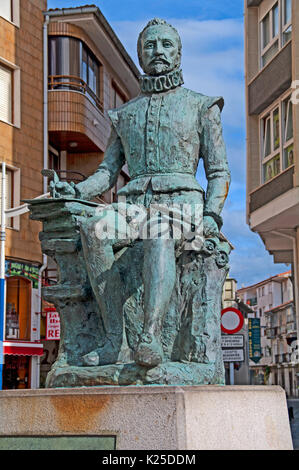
(52, 325)
(14, 268)
(254, 339)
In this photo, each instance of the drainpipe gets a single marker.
(45, 165)
(45, 78)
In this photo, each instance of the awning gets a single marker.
(21, 348)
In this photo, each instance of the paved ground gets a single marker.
(294, 403)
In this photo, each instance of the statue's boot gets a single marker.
(107, 288)
(159, 271)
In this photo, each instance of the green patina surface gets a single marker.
(57, 443)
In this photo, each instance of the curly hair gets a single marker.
(154, 22)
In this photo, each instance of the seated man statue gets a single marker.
(161, 135)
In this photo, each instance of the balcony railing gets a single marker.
(73, 83)
(280, 358)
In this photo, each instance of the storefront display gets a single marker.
(16, 372)
(21, 346)
(18, 308)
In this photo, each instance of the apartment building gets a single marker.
(272, 111)
(272, 302)
(21, 148)
(60, 71)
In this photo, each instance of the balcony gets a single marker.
(75, 116)
(271, 190)
(271, 82)
(70, 82)
(252, 302)
(282, 358)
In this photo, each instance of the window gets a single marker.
(286, 21)
(277, 139)
(72, 66)
(270, 35)
(275, 30)
(6, 9)
(12, 194)
(5, 94)
(10, 95)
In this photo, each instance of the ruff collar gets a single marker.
(160, 83)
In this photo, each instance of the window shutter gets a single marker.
(5, 94)
(5, 9)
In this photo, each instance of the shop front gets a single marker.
(22, 347)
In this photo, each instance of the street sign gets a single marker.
(233, 355)
(231, 320)
(232, 341)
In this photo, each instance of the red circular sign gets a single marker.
(232, 320)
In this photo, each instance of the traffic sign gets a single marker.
(231, 320)
(233, 355)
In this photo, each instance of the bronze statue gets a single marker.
(162, 324)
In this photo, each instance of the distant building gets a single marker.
(272, 114)
(229, 293)
(272, 301)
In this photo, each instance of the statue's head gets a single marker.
(159, 48)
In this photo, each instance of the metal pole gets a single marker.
(2, 274)
(231, 373)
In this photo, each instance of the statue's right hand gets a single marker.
(61, 189)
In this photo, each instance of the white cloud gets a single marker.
(212, 59)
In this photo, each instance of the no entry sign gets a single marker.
(231, 320)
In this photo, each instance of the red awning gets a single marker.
(22, 349)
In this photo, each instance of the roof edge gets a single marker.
(103, 22)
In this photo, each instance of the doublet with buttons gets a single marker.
(162, 136)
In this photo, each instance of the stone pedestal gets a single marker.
(151, 417)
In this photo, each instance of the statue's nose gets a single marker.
(159, 48)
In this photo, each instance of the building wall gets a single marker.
(274, 306)
(21, 145)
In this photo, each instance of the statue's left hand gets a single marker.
(210, 227)
(62, 189)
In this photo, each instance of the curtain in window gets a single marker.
(5, 94)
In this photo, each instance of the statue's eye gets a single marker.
(167, 44)
(149, 45)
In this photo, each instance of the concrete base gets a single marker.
(154, 417)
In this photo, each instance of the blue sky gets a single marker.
(213, 64)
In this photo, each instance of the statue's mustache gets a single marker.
(160, 59)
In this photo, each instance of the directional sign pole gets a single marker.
(231, 373)
(2, 273)
(231, 322)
